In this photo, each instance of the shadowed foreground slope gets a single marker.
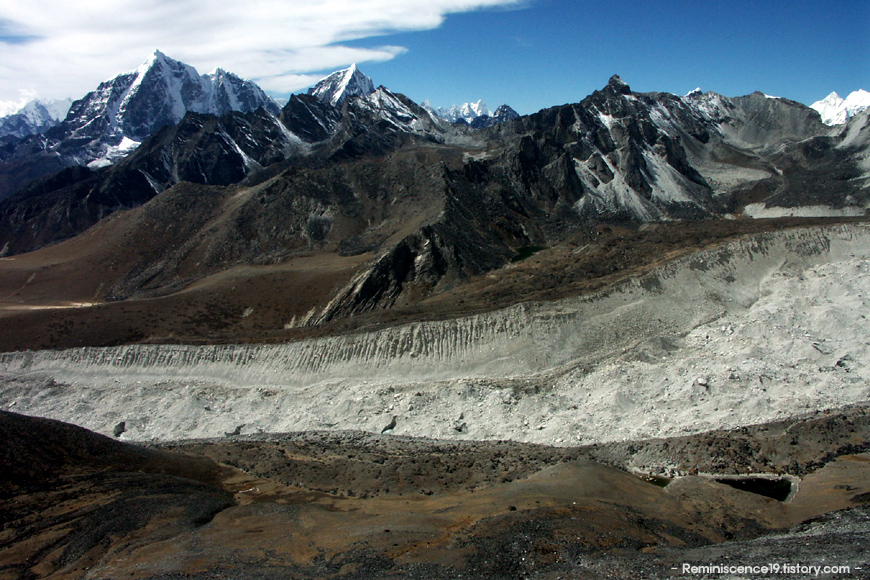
(350, 505)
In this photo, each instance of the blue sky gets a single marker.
(530, 54)
(558, 51)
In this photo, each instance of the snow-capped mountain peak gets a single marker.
(335, 88)
(168, 88)
(835, 110)
(159, 92)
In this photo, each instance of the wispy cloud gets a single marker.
(9, 107)
(61, 48)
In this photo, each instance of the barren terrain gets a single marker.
(758, 329)
(606, 340)
(351, 505)
(52, 298)
(596, 434)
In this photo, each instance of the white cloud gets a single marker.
(65, 48)
(9, 107)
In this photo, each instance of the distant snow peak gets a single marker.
(835, 110)
(466, 112)
(36, 116)
(338, 86)
(476, 109)
(476, 114)
(696, 92)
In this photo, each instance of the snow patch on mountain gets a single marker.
(115, 153)
(835, 110)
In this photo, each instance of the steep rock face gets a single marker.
(213, 150)
(310, 118)
(627, 151)
(159, 93)
(647, 157)
(380, 122)
(230, 92)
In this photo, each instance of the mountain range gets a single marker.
(406, 205)
(603, 340)
(475, 115)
